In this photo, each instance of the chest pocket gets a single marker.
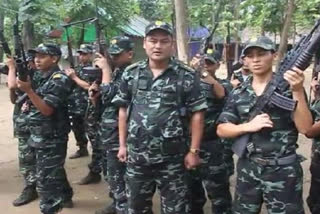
(169, 95)
(142, 92)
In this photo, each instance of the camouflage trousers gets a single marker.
(52, 184)
(27, 160)
(91, 127)
(228, 155)
(279, 187)
(78, 128)
(313, 199)
(168, 177)
(114, 172)
(213, 175)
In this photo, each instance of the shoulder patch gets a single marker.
(56, 76)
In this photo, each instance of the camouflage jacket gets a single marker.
(78, 99)
(108, 133)
(280, 140)
(155, 127)
(214, 109)
(54, 89)
(315, 110)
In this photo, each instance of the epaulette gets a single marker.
(135, 65)
(185, 66)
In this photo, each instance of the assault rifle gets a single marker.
(228, 54)
(300, 56)
(21, 59)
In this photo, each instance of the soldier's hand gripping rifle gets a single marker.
(300, 56)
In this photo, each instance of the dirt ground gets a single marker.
(88, 198)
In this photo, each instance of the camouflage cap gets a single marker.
(159, 25)
(119, 44)
(212, 56)
(260, 42)
(85, 48)
(50, 49)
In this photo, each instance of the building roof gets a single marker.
(136, 26)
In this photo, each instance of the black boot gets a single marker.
(27, 195)
(91, 178)
(82, 152)
(110, 209)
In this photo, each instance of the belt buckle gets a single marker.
(262, 161)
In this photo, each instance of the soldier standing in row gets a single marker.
(121, 52)
(270, 170)
(212, 173)
(313, 199)
(159, 93)
(27, 155)
(78, 100)
(47, 121)
(85, 116)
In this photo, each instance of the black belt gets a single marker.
(274, 161)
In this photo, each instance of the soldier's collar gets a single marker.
(53, 69)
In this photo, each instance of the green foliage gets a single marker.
(153, 10)
(48, 15)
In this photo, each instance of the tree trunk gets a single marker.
(181, 29)
(285, 30)
(27, 34)
(2, 29)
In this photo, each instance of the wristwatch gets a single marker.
(204, 74)
(194, 151)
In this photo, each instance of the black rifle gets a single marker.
(204, 47)
(20, 57)
(228, 48)
(70, 55)
(300, 56)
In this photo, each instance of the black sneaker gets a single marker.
(110, 209)
(27, 195)
(91, 178)
(82, 152)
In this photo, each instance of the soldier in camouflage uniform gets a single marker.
(85, 115)
(159, 92)
(47, 122)
(27, 156)
(313, 198)
(240, 76)
(121, 52)
(212, 172)
(270, 170)
(78, 100)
